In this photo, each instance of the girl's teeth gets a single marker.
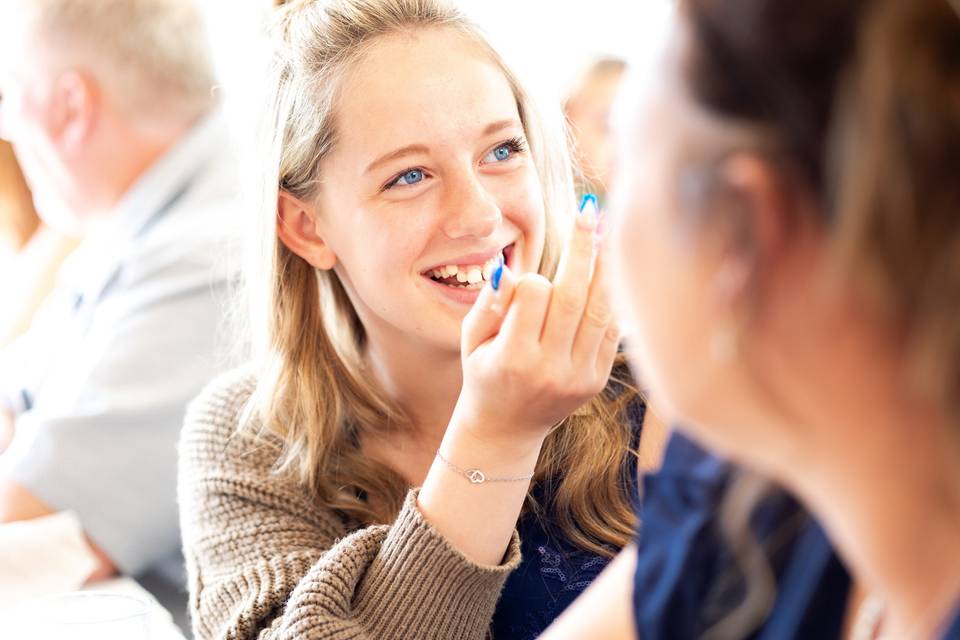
(469, 276)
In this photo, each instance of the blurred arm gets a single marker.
(17, 503)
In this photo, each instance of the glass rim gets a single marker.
(143, 604)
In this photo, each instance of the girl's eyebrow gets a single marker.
(408, 150)
(413, 149)
(500, 125)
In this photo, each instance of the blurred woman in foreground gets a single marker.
(788, 199)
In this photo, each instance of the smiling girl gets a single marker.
(406, 335)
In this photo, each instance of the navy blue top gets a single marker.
(686, 580)
(953, 632)
(553, 572)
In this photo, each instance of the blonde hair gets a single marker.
(307, 340)
(152, 55)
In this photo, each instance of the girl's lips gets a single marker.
(459, 295)
(463, 295)
(508, 254)
(478, 259)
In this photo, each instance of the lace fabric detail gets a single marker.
(561, 575)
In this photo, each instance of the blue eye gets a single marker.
(410, 177)
(505, 150)
(499, 154)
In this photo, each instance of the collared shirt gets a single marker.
(131, 333)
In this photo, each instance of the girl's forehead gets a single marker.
(435, 81)
(421, 67)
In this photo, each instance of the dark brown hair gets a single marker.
(857, 102)
(862, 99)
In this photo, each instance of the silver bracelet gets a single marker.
(475, 476)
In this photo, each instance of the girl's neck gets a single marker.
(423, 380)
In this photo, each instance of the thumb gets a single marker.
(487, 314)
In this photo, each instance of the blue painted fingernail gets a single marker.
(588, 198)
(497, 274)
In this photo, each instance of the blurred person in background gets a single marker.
(18, 218)
(788, 203)
(110, 108)
(588, 113)
(30, 252)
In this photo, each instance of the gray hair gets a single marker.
(151, 56)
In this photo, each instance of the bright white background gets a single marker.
(550, 41)
(554, 40)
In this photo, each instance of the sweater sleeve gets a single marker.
(265, 562)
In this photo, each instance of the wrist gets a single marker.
(472, 445)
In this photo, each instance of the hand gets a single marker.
(533, 352)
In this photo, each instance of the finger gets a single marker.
(597, 317)
(528, 309)
(487, 314)
(607, 353)
(572, 283)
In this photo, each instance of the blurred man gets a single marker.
(110, 109)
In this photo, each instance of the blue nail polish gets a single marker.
(588, 197)
(497, 274)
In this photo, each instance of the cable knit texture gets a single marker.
(266, 561)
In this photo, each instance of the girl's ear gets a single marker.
(298, 229)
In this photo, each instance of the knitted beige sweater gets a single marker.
(265, 561)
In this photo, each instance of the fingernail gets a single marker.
(497, 274)
(588, 199)
(589, 213)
